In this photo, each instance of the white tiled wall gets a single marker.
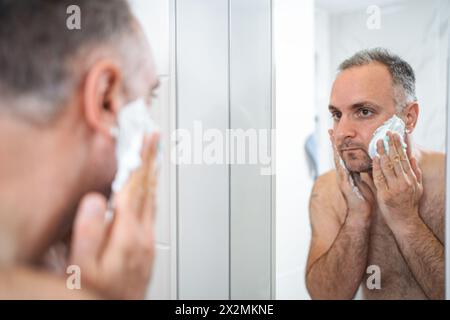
(202, 95)
(156, 18)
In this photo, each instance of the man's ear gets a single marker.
(102, 96)
(411, 114)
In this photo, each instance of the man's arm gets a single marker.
(338, 252)
(399, 184)
(424, 254)
(422, 240)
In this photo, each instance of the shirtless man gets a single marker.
(60, 94)
(396, 222)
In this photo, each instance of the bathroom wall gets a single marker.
(225, 210)
(203, 202)
(251, 192)
(214, 222)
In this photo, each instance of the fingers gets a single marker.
(401, 152)
(387, 168)
(368, 181)
(396, 167)
(380, 148)
(359, 184)
(378, 177)
(416, 170)
(337, 159)
(131, 200)
(143, 174)
(149, 209)
(345, 181)
(394, 155)
(402, 157)
(152, 157)
(343, 177)
(408, 146)
(409, 163)
(89, 229)
(365, 188)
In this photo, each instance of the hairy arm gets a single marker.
(424, 254)
(338, 251)
(400, 184)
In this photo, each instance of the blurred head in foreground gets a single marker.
(60, 93)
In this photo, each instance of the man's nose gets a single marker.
(345, 129)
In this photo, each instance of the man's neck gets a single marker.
(35, 186)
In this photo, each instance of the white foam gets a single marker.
(134, 122)
(395, 125)
(355, 188)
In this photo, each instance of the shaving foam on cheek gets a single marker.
(395, 125)
(355, 189)
(134, 122)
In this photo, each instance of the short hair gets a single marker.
(401, 72)
(36, 48)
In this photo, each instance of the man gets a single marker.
(384, 216)
(60, 94)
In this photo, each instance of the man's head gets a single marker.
(371, 87)
(63, 89)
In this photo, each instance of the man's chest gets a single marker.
(384, 255)
(388, 266)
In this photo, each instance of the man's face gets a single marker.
(362, 99)
(140, 85)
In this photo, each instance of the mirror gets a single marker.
(238, 65)
(377, 263)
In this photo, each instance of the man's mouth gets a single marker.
(350, 149)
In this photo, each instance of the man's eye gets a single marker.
(336, 115)
(365, 112)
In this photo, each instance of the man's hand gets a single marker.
(339, 249)
(398, 181)
(115, 258)
(357, 193)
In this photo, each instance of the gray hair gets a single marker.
(402, 73)
(37, 50)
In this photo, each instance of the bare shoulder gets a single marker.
(325, 180)
(432, 164)
(433, 158)
(432, 205)
(323, 185)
